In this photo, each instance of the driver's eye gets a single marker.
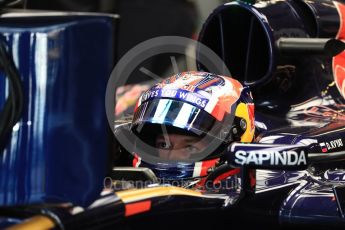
(162, 145)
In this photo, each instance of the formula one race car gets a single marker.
(290, 55)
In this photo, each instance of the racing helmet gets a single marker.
(216, 110)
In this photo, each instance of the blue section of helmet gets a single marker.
(210, 77)
(171, 171)
(246, 95)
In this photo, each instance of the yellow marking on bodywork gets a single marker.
(34, 223)
(147, 193)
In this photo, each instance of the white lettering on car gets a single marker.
(332, 144)
(270, 157)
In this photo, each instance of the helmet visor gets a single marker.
(181, 115)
